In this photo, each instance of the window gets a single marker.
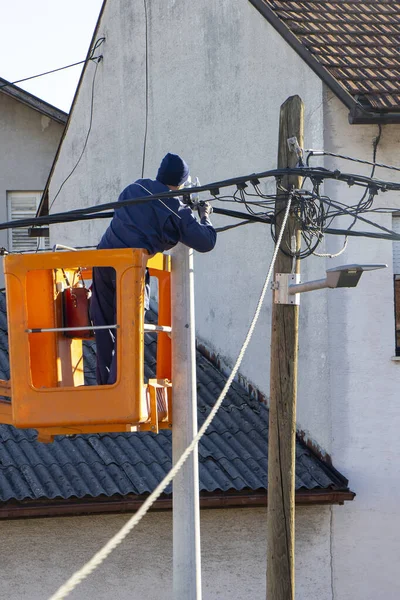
(396, 271)
(23, 205)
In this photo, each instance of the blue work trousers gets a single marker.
(103, 312)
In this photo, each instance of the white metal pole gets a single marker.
(186, 506)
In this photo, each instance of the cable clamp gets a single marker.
(294, 146)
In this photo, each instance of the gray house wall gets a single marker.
(364, 375)
(38, 555)
(28, 141)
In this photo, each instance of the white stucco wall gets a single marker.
(37, 556)
(364, 380)
(29, 141)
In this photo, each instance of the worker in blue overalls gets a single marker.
(156, 225)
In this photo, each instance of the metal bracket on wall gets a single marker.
(281, 288)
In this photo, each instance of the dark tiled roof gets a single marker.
(232, 454)
(357, 41)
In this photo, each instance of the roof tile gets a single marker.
(233, 454)
(363, 34)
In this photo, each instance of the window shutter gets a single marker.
(396, 246)
(23, 206)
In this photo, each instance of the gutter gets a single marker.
(357, 115)
(60, 507)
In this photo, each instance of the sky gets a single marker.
(41, 35)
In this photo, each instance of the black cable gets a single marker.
(147, 86)
(348, 212)
(310, 203)
(369, 234)
(87, 135)
(65, 217)
(69, 217)
(239, 215)
(172, 194)
(312, 153)
(375, 144)
(80, 62)
(228, 227)
(213, 188)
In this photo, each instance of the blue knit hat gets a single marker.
(173, 170)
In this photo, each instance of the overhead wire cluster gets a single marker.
(313, 211)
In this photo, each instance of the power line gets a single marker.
(348, 212)
(229, 227)
(375, 145)
(87, 135)
(42, 74)
(80, 62)
(315, 174)
(368, 234)
(314, 211)
(70, 217)
(312, 152)
(4, 251)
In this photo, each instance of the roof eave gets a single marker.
(357, 115)
(33, 101)
(117, 504)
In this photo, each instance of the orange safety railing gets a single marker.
(46, 367)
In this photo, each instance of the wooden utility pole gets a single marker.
(283, 381)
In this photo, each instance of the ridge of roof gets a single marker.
(351, 45)
(12, 90)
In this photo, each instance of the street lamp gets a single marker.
(287, 287)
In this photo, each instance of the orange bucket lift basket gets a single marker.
(46, 384)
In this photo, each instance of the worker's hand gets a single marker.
(204, 209)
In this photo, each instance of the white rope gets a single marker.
(159, 199)
(102, 554)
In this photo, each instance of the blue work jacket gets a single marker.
(156, 225)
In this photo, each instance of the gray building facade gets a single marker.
(30, 132)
